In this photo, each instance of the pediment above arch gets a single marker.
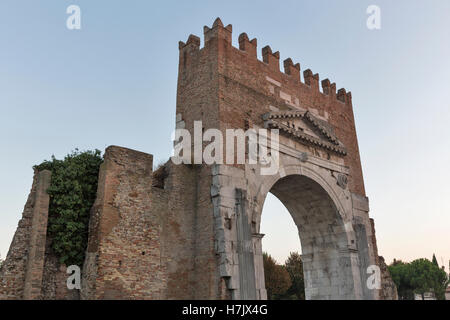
(306, 128)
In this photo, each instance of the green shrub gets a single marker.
(72, 193)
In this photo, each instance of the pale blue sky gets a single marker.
(114, 82)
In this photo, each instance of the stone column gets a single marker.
(247, 286)
(261, 293)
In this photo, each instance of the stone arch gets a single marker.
(325, 237)
(270, 181)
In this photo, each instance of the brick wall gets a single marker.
(22, 272)
(227, 87)
(54, 281)
(124, 259)
(148, 242)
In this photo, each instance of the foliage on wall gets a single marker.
(72, 193)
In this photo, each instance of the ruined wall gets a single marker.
(54, 280)
(388, 289)
(146, 237)
(144, 231)
(123, 258)
(22, 272)
(38, 236)
(31, 269)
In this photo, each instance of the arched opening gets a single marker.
(324, 243)
(279, 229)
(283, 268)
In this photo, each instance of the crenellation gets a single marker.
(307, 75)
(326, 86)
(193, 42)
(349, 97)
(342, 95)
(333, 89)
(217, 23)
(292, 69)
(218, 31)
(248, 46)
(311, 79)
(271, 59)
(329, 88)
(188, 50)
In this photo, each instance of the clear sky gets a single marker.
(114, 82)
